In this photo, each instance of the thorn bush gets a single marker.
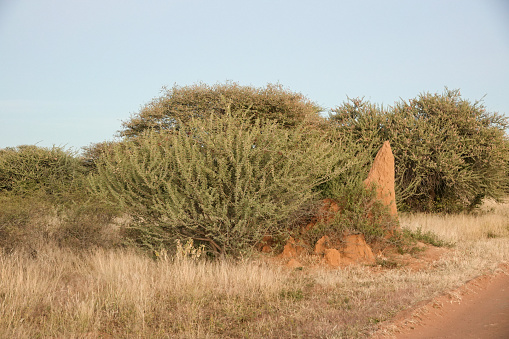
(28, 169)
(449, 153)
(224, 181)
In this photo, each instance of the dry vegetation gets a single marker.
(226, 166)
(124, 294)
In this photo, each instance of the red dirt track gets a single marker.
(479, 309)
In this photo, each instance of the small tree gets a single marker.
(449, 153)
(180, 104)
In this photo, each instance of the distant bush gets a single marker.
(21, 222)
(224, 181)
(449, 153)
(43, 199)
(31, 222)
(90, 224)
(180, 104)
(27, 169)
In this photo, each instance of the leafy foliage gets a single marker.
(180, 104)
(426, 237)
(449, 153)
(224, 181)
(223, 166)
(27, 169)
(93, 152)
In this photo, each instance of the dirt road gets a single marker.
(479, 309)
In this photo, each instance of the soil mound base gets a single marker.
(356, 250)
(353, 249)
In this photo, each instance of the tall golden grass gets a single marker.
(124, 294)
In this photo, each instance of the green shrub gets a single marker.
(449, 153)
(92, 153)
(180, 104)
(426, 237)
(43, 199)
(224, 181)
(28, 169)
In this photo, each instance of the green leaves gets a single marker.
(449, 153)
(180, 104)
(27, 169)
(224, 181)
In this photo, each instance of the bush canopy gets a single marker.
(224, 166)
(28, 169)
(180, 104)
(224, 181)
(449, 153)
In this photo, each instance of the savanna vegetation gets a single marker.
(155, 234)
(450, 153)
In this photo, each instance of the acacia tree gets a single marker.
(449, 153)
(180, 104)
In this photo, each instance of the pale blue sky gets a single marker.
(72, 70)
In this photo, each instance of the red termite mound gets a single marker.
(350, 248)
(382, 176)
(353, 250)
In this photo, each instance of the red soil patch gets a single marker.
(478, 309)
(356, 250)
(426, 256)
(356, 253)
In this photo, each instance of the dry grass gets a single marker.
(490, 221)
(123, 294)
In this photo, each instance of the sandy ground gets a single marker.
(479, 309)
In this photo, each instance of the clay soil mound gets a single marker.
(382, 176)
(359, 253)
(348, 248)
